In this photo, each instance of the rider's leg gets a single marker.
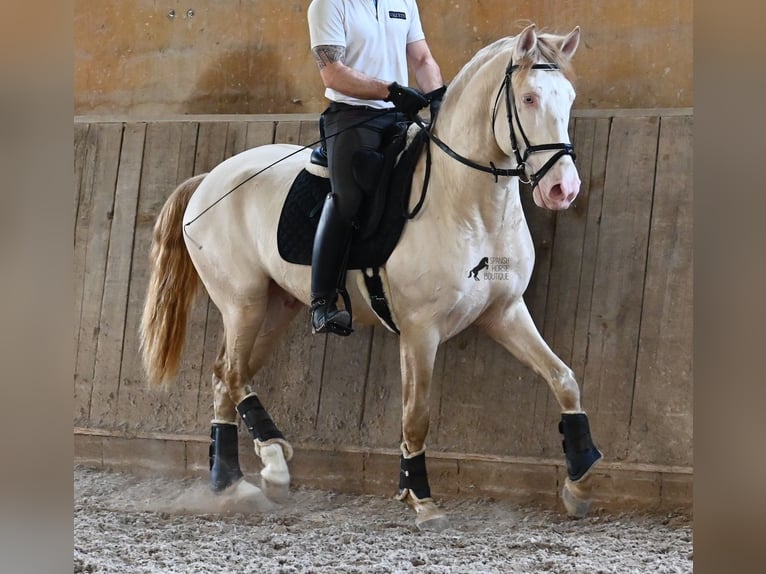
(333, 235)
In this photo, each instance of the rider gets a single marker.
(362, 49)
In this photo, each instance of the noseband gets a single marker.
(520, 170)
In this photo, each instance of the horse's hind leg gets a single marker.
(512, 327)
(243, 316)
(224, 451)
(270, 445)
(226, 476)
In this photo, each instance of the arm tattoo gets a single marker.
(325, 55)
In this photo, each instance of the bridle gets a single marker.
(520, 170)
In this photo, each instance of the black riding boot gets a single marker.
(329, 255)
(224, 456)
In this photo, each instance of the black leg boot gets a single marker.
(578, 445)
(330, 248)
(224, 456)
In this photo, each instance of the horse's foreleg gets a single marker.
(417, 354)
(514, 329)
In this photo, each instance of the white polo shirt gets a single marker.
(374, 38)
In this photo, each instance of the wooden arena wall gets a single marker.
(611, 293)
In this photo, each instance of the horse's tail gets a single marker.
(172, 287)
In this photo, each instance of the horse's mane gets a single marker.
(547, 49)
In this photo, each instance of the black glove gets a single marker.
(435, 97)
(405, 99)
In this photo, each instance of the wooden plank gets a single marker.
(661, 422)
(309, 134)
(289, 385)
(165, 165)
(569, 258)
(287, 132)
(85, 165)
(592, 168)
(107, 140)
(211, 146)
(198, 118)
(605, 113)
(236, 138)
(382, 415)
(115, 301)
(260, 133)
(618, 283)
(80, 153)
(344, 375)
(630, 112)
(485, 393)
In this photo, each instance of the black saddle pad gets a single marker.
(303, 206)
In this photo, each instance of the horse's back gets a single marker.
(261, 167)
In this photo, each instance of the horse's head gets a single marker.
(537, 106)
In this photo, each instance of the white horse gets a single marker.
(504, 117)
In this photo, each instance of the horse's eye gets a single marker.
(528, 99)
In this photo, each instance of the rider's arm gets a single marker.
(427, 73)
(339, 77)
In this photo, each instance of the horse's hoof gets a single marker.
(244, 495)
(275, 469)
(576, 498)
(428, 516)
(278, 493)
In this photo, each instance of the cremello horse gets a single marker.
(504, 117)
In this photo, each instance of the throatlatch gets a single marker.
(224, 456)
(578, 446)
(413, 476)
(257, 420)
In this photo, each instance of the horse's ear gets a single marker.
(570, 42)
(525, 43)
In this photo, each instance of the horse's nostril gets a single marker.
(557, 191)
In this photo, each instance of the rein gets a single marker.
(520, 170)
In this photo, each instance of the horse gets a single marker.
(504, 119)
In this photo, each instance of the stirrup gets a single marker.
(329, 325)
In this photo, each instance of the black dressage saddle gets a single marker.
(385, 177)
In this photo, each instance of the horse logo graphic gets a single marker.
(483, 264)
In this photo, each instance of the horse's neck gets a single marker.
(472, 197)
